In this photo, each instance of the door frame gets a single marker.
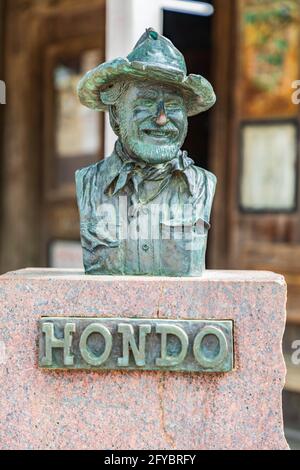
(223, 72)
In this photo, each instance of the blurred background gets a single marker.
(248, 49)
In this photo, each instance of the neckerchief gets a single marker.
(138, 171)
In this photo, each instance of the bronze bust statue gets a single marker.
(145, 210)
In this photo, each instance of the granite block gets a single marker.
(45, 409)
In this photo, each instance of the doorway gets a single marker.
(193, 36)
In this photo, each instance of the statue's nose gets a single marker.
(161, 118)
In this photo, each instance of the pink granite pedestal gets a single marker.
(42, 409)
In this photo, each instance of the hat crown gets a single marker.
(153, 48)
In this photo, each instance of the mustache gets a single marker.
(152, 127)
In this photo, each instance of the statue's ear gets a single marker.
(111, 93)
(114, 120)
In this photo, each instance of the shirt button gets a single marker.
(145, 247)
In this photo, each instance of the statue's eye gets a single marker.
(173, 105)
(144, 104)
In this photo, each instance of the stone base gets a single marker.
(44, 409)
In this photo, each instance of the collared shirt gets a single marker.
(137, 219)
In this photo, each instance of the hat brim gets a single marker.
(197, 91)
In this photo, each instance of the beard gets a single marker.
(151, 153)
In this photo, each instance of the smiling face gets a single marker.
(152, 121)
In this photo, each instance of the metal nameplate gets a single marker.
(136, 344)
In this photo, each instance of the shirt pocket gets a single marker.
(183, 248)
(101, 245)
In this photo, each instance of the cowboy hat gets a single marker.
(153, 58)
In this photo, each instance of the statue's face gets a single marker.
(152, 121)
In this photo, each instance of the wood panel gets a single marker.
(20, 194)
(2, 107)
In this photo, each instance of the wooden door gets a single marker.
(255, 141)
(264, 200)
(255, 147)
(73, 135)
(47, 47)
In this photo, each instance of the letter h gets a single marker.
(52, 342)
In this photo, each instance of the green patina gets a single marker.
(145, 210)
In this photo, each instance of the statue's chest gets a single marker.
(165, 236)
